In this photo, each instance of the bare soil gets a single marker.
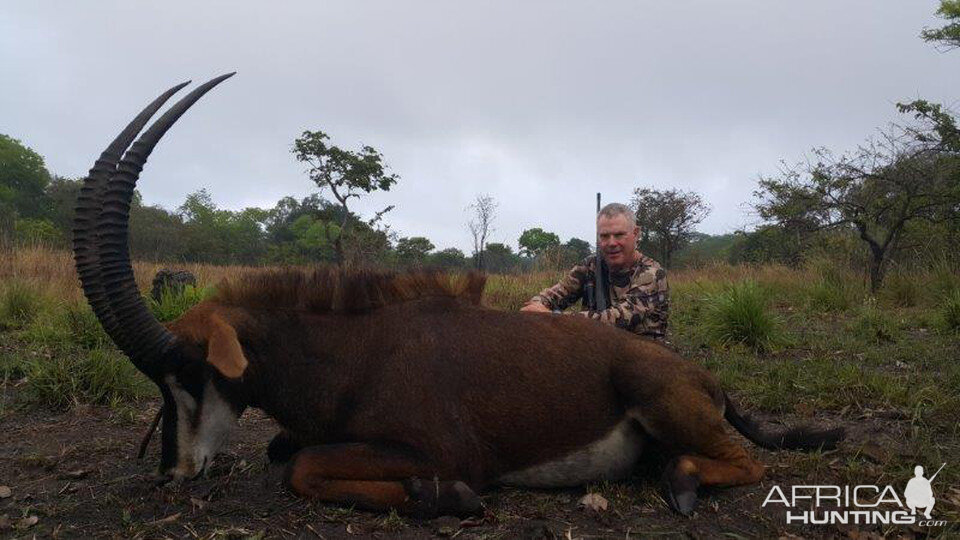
(76, 472)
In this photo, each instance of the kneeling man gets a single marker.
(637, 289)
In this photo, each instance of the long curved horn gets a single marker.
(141, 337)
(85, 250)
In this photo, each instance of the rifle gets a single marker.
(596, 293)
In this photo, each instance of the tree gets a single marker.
(947, 36)
(481, 225)
(666, 219)
(905, 175)
(500, 258)
(448, 259)
(580, 249)
(345, 173)
(221, 236)
(23, 179)
(413, 251)
(535, 241)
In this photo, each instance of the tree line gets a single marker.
(893, 199)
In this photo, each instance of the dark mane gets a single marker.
(345, 291)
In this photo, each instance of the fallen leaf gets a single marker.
(77, 474)
(594, 501)
(353, 529)
(5, 522)
(28, 522)
(169, 519)
(5, 492)
(199, 504)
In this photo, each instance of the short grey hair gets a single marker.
(616, 209)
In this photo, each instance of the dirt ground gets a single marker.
(77, 474)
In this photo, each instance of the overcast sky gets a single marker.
(539, 104)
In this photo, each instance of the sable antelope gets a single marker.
(402, 391)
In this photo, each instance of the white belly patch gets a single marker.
(612, 458)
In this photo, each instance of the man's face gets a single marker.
(618, 239)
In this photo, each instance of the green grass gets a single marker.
(173, 303)
(901, 289)
(83, 327)
(949, 312)
(831, 287)
(874, 324)
(740, 314)
(20, 304)
(100, 376)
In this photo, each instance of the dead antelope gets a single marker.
(402, 391)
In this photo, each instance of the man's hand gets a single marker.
(535, 307)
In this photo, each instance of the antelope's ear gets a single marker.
(223, 349)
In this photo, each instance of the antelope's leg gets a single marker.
(281, 448)
(377, 478)
(687, 472)
(708, 456)
(690, 426)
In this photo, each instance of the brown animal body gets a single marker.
(402, 391)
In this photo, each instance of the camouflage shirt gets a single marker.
(639, 296)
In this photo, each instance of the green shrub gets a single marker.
(943, 281)
(174, 303)
(832, 288)
(873, 324)
(19, 305)
(83, 327)
(950, 312)
(901, 289)
(99, 376)
(739, 314)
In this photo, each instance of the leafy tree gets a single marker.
(772, 243)
(666, 219)
(535, 241)
(345, 173)
(156, 233)
(223, 236)
(908, 174)
(947, 36)
(62, 196)
(414, 250)
(37, 231)
(484, 210)
(23, 179)
(500, 258)
(580, 249)
(449, 259)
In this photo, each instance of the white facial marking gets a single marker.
(200, 434)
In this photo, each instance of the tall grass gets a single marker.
(19, 304)
(949, 312)
(874, 324)
(740, 314)
(831, 287)
(901, 289)
(100, 376)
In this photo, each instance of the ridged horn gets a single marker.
(140, 336)
(85, 249)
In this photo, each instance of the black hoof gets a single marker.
(680, 489)
(442, 497)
